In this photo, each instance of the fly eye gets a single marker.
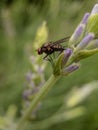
(39, 51)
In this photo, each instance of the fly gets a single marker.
(51, 47)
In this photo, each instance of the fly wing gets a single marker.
(56, 42)
(47, 44)
(61, 41)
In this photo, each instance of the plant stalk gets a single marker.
(39, 96)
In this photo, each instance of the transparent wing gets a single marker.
(56, 42)
(61, 41)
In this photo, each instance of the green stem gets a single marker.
(39, 96)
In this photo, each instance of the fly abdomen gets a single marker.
(58, 48)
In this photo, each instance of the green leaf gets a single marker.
(83, 54)
(57, 66)
(92, 25)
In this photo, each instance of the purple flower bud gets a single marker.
(26, 94)
(85, 18)
(40, 69)
(66, 56)
(77, 34)
(32, 84)
(86, 40)
(95, 9)
(29, 76)
(71, 68)
(35, 90)
(93, 44)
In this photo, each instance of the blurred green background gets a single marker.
(19, 20)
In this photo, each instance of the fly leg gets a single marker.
(60, 52)
(54, 54)
(45, 57)
(48, 59)
(51, 61)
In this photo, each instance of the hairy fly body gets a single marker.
(51, 47)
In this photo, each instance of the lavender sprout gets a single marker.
(85, 18)
(29, 76)
(66, 56)
(93, 44)
(79, 31)
(86, 40)
(95, 9)
(92, 25)
(77, 34)
(70, 69)
(35, 77)
(34, 82)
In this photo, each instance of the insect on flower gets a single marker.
(51, 47)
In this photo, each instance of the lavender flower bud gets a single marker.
(77, 34)
(29, 76)
(95, 9)
(35, 90)
(26, 94)
(71, 68)
(86, 40)
(66, 56)
(93, 44)
(92, 25)
(85, 18)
